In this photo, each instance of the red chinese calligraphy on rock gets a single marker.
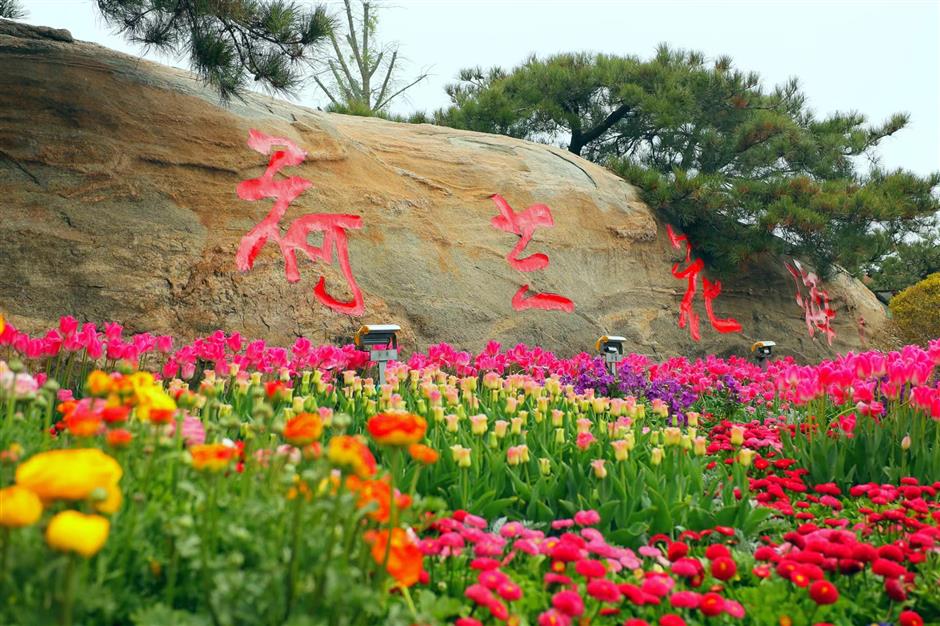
(816, 309)
(710, 291)
(284, 191)
(524, 225)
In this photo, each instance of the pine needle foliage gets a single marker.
(744, 170)
(231, 44)
(12, 10)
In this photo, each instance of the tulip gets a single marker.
(545, 466)
(599, 470)
(656, 456)
(745, 457)
(906, 442)
(559, 435)
(461, 455)
(737, 435)
(478, 424)
(499, 428)
(672, 436)
(621, 451)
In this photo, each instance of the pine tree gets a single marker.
(12, 10)
(229, 42)
(745, 171)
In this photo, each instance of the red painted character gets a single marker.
(525, 224)
(284, 191)
(816, 309)
(710, 291)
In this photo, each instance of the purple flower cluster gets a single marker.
(678, 397)
(631, 382)
(594, 375)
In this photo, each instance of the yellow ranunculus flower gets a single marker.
(19, 507)
(69, 474)
(71, 531)
(155, 405)
(99, 384)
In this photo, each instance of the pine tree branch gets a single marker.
(342, 61)
(329, 95)
(351, 36)
(383, 103)
(388, 75)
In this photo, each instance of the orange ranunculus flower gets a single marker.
(71, 531)
(303, 429)
(83, 421)
(397, 429)
(377, 492)
(213, 457)
(19, 507)
(70, 474)
(351, 453)
(405, 561)
(119, 437)
(423, 454)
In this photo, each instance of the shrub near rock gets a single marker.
(916, 310)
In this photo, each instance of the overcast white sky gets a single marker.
(873, 57)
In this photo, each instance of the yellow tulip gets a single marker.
(656, 456)
(71, 531)
(19, 507)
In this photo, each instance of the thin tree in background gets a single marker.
(12, 10)
(361, 74)
(230, 43)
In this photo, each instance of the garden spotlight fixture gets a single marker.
(611, 348)
(381, 342)
(762, 351)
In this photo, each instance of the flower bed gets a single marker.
(226, 481)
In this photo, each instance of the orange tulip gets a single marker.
(397, 429)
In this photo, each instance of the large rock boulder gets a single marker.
(118, 179)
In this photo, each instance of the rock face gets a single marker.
(118, 177)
